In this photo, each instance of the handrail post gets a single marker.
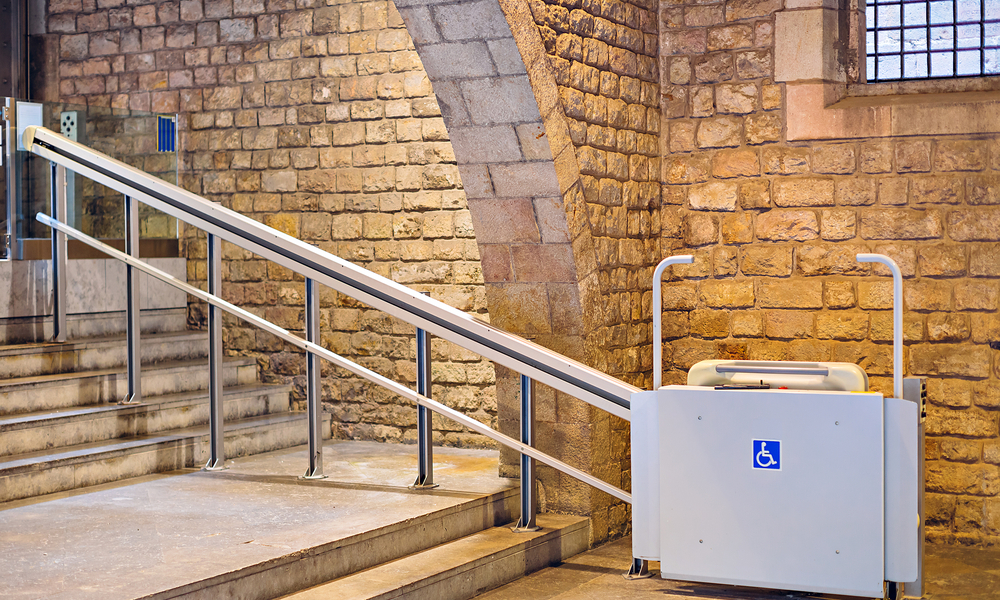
(528, 497)
(314, 392)
(58, 189)
(132, 304)
(425, 424)
(217, 452)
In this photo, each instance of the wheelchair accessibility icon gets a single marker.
(767, 455)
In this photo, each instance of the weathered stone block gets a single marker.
(830, 259)
(763, 127)
(937, 190)
(976, 295)
(737, 228)
(701, 229)
(766, 260)
(951, 360)
(727, 293)
(788, 324)
(960, 155)
(875, 157)
(719, 132)
(802, 192)
(941, 260)
(735, 163)
(755, 194)
(948, 327)
(737, 98)
(709, 323)
(900, 224)
(841, 325)
(787, 225)
(836, 159)
(913, 157)
(715, 196)
(805, 294)
(747, 324)
(974, 225)
(838, 224)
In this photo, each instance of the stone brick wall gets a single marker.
(603, 55)
(317, 120)
(774, 227)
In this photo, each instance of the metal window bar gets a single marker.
(421, 400)
(882, 54)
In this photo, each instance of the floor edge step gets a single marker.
(463, 568)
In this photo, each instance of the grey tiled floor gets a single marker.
(953, 573)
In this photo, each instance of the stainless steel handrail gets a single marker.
(542, 365)
(336, 359)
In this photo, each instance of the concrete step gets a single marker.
(29, 360)
(45, 472)
(46, 430)
(254, 531)
(65, 390)
(465, 567)
(21, 330)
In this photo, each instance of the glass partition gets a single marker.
(143, 140)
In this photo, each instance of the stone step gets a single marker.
(28, 360)
(45, 430)
(31, 329)
(465, 567)
(65, 390)
(46, 472)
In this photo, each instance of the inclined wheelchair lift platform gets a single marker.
(781, 475)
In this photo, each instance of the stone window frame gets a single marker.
(818, 55)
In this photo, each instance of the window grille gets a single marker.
(925, 39)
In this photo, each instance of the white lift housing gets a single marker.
(781, 475)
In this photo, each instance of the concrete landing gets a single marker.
(952, 573)
(252, 531)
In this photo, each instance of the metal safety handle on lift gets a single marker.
(681, 259)
(772, 370)
(897, 317)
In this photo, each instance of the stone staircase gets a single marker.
(61, 427)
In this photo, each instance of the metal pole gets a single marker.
(58, 189)
(132, 307)
(680, 259)
(528, 501)
(217, 448)
(425, 425)
(314, 392)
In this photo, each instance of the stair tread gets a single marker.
(97, 342)
(38, 418)
(20, 462)
(67, 376)
(410, 573)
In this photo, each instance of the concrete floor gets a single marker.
(953, 573)
(145, 536)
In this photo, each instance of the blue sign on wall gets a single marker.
(767, 455)
(166, 134)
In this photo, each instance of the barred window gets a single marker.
(930, 39)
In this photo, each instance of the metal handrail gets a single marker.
(336, 359)
(543, 365)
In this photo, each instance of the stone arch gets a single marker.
(500, 102)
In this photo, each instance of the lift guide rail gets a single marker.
(542, 365)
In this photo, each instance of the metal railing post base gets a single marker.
(318, 474)
(421, 484)
(520, 529)
(129, 400)
(638, 570)
(216, 465)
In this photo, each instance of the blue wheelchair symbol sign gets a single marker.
(767, 455)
